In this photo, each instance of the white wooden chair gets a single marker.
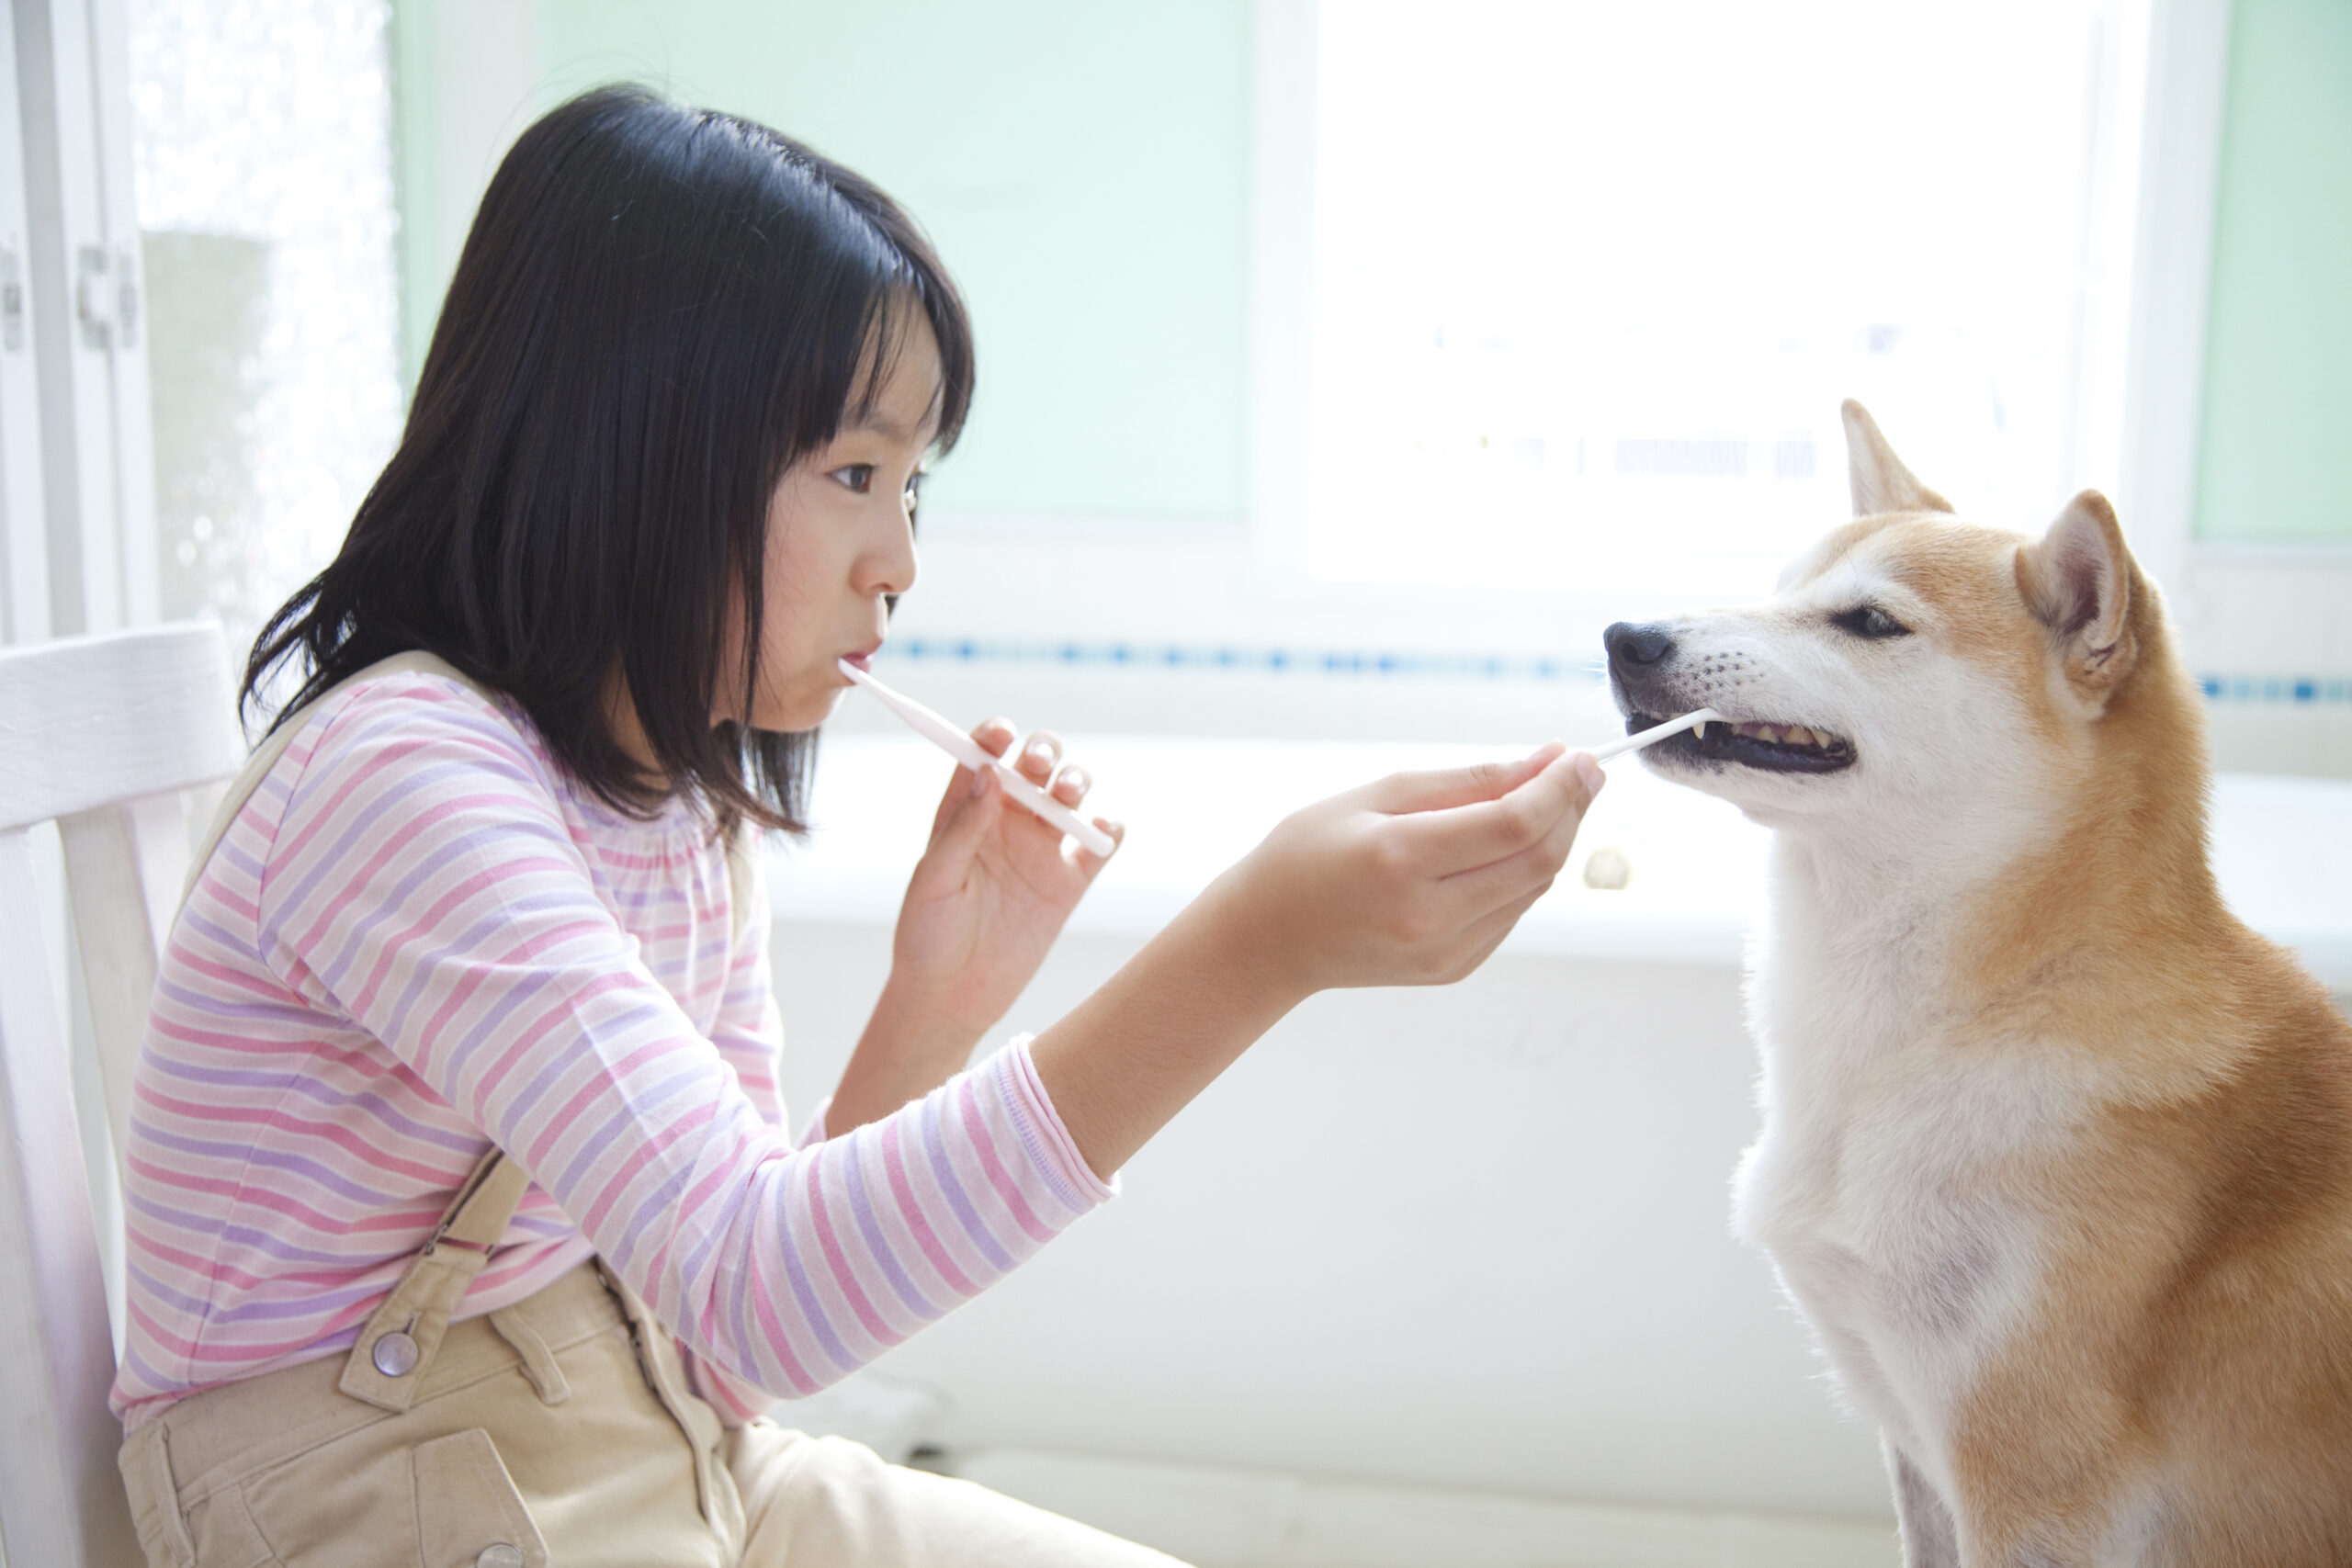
(104, 736)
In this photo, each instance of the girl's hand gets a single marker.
(1412, 879)
(985, 903)
(993, 890)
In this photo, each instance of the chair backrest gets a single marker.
(104, 736)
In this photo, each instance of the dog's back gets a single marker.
(2240, 1364)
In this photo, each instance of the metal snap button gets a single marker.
(499, 1554)
(395, 1355)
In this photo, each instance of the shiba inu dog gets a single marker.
(2057, 1153)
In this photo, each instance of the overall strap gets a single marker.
(396, 1349)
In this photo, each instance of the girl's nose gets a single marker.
(889, 568)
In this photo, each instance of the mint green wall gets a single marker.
(2278, 354)
(1082, 166)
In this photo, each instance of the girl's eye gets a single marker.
(855, 477)
(1869, 621)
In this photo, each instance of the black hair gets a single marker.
(657, 310)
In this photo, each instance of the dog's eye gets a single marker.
(1869, 621)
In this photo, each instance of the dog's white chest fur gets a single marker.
(1882, 1182)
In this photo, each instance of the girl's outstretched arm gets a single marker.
(1410, 880)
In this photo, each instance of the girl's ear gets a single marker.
(2077, 580)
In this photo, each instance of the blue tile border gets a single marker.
(1243, 659)
(2291, 691)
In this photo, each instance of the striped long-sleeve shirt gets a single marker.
(417, 938)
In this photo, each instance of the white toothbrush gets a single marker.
(967, 750)
(1698, 719)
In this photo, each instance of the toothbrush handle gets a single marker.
(1053, 811)
(967, 751)
(1652, 735)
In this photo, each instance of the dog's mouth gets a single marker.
(1775, 747)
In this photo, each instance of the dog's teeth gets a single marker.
(1797, 735)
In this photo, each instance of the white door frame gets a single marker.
(86, 333)
(2164, 413)
(24, 540)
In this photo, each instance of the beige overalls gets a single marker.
(558, 1430)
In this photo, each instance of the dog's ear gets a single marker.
(1880, 482)
(2077, 581)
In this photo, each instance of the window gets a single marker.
(1590, 281)
(261, 146)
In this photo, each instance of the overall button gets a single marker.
(499, 1554)
(395, 1357)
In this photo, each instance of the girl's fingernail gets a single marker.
(1589, 770)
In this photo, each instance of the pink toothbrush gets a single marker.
(967, 750)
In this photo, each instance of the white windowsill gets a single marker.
(2283, 847)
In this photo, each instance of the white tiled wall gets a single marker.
(2274, 630)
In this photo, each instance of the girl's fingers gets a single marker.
(1464, 836)
(1088, 860)
(1487, 933)
(1443, 789)
(1040, 755)
(1071, 784)
(958, 790)
(964, 813)
(994, 735)
(1474, 895)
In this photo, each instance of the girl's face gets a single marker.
(839, 539)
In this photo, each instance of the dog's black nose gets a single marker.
(1630, 645)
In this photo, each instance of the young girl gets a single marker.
(481, 908)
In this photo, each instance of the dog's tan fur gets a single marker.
(2170, 1381)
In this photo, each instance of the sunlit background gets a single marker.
(1590, 281)
(1344, 368)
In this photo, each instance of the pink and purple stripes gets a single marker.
(416, 937)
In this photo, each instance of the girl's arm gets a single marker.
(422, 884)
(984, 906)
(1414, 879)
